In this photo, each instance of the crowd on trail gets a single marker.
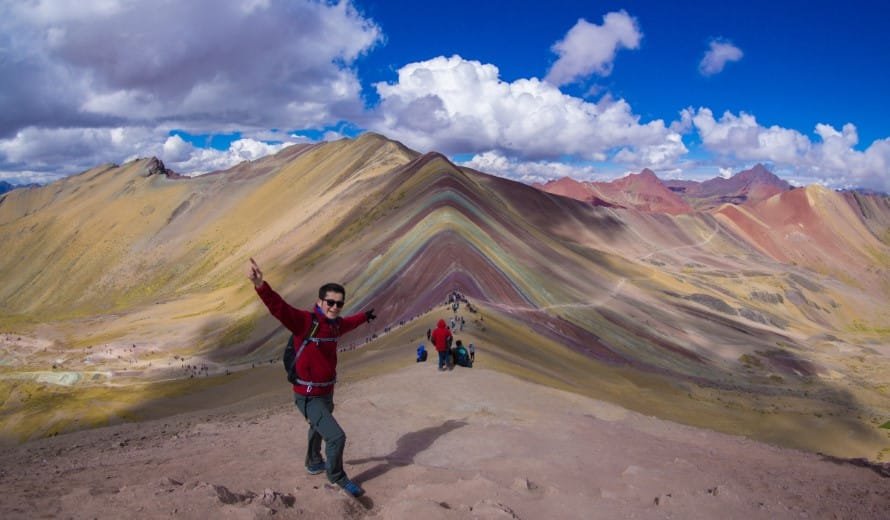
(196, 370)
(455, 298)
(451, 352)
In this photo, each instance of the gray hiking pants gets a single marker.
(318, 411)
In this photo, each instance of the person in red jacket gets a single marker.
(441, 337)
(316, 370)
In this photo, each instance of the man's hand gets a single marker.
(370, 316)
(255, 275)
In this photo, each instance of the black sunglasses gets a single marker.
(334, 303)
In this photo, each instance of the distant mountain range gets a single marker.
(404, 228)
(740, 283)
(646, 192)
(6, 186)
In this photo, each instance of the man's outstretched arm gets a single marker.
(295, 320)
(351, 322)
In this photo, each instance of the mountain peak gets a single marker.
(6, 186)
(643, 191)
(646, 180)
(759, 167)
(155, 166)
(760, 174)
(562, 181)
(371, 136)
(745, 187)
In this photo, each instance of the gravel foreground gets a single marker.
(469, 443)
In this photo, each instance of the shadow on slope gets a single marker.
(408, 447)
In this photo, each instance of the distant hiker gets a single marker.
(316, 370)
(428, 333)
(441, 340)
(421, 353)
(462, 322)
(452, 324)
(472, 353)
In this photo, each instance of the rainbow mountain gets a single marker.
(126, 284)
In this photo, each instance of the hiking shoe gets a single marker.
(315, 469)
(352, 488)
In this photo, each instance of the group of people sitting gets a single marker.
(450, 352)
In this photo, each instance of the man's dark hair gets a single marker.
(331, 287)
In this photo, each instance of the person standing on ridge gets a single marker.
(441, 340)
(316, 370)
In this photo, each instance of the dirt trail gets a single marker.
(470, 443)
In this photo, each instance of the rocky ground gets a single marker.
(470, 443)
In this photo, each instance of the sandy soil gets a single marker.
(470, 443)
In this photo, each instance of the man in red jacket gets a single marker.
(441, 337)
(316, 370)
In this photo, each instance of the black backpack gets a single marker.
(290, 353)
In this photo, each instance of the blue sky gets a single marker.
(527, 90)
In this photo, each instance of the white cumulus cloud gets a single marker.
(202, 63)
(76, 149)
(832, 160)
(528, 171)
(182, 157)
(80, 70)
(42, 149)
(741, 136)
(590, 49)
(717, 56)
(455, 105)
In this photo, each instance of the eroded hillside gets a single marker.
(130, 275)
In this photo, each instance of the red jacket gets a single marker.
(318, 361)
(440, 336)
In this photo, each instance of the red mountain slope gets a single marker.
(641, 191)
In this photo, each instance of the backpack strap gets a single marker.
(307, 338)
(311, 338)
